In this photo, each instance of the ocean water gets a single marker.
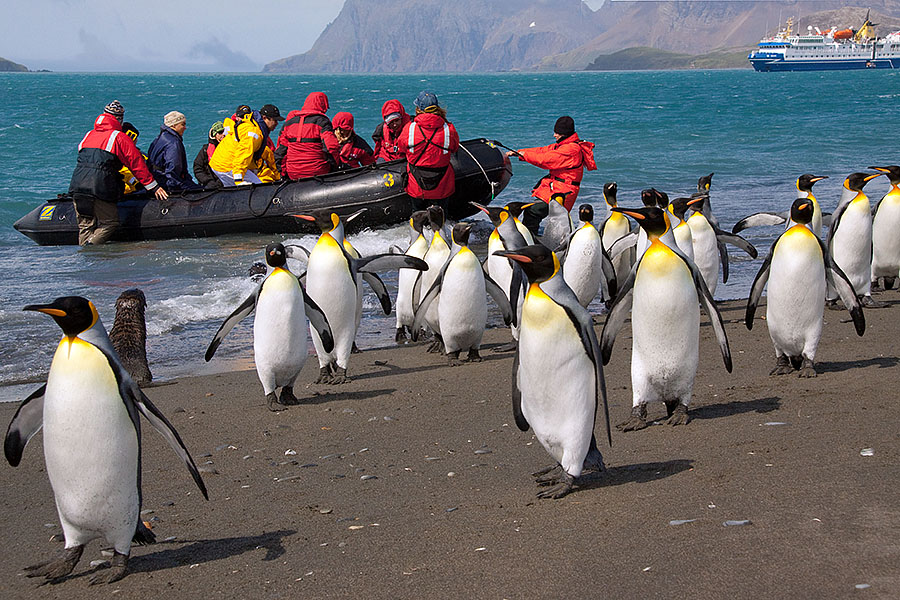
(756, 131)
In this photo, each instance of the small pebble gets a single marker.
(347, 411)
(368, 477)
(147, 511)
(645, 569)
(482, 549)
(775, 423)
(483, 451)
(290, 453)
(248, 457)
(49, 525)
(355, 527)
(432, 458)
(451, 474)
(390, 419)
(452, 508)
(681, 521)
(100, 563)
(171, 538)
(325, 511)
(862, 586)
(737, 523)
(342, 545)
(107, 552)
(363, 450)
(867, 452)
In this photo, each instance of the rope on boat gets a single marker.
(490, 183)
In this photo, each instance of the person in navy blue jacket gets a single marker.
(167, 157)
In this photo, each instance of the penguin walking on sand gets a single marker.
(280, 341)
(436, 257)
(886, 233)
(588, 269)
(331, 282)
(804, 191)
(850, 239)
(614, 227)
(406, 279)
(796, 270)
(89, 409)
(557, 379)
(661, 293)
(129, 335)
(463, 311)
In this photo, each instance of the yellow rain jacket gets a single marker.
(235, 152)
(266, 168)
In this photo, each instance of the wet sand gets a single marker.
(412, 481)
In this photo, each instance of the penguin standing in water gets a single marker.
(557, 379)
(709, 242)
(331, 282)
(885, 236)
(661, 293)
(280, 342)
(558, 223)
(436, 257)
(89, 410)
(463, 312)
(804, 191)
(850, 239)
(406, 301)
(614, 227)
(796, 269)
(588, 268)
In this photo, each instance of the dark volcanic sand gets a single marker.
(781, 452)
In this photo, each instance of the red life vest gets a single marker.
(428, 142)
(307, 145)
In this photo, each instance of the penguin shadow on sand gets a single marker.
(318, 397)
(735, 407)
(882, 362)
(634, 473)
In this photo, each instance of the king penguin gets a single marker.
(588, 269)
(558, 223)
(850, 239)
(662, 295)
(331, 282)
(515, 211)
(886, 232)
(680, 228)
(89, 410)
(462, 284)
(796, 269)
(436, 257)
(406, 279)
(557, 379)
(615, 226)
(280, 341)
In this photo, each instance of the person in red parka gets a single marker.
(566, 160)
(355, 152)
(428, 142)
(387, 132)
(97, 184)
(307, 145)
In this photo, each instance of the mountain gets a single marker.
(497, 35)
(8, 65)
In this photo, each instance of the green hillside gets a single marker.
(647, 59)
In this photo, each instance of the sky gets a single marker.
(162, 35)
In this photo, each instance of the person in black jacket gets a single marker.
(202, 171)
(167, 157)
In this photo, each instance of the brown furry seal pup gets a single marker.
(129, 335)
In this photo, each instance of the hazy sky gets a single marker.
(162, 35)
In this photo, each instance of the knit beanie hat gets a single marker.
(115, 109)
(565, 126)
(173, 118)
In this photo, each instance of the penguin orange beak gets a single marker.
(695, 201)
(524, 206)
(819, 178)
(871, 177)
(480, 207)
(304, 217)
(516, 257)
(53, 312)
(630, 213)
(879, 169)
(804, 206)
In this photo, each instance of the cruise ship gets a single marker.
(827, 50)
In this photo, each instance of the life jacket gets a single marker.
(236, 151)
(307, 145)
(429, 142)
(566, 161)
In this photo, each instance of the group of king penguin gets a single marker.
(662, 272)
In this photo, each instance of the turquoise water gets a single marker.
(756, 131)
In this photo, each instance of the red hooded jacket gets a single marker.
(566, 160)
(355, 152)
(307, 145)
(428, 141)
(386, 146)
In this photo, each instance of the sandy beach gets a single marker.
(412, 481)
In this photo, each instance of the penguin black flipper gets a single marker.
(736, 241)
(629, 240)
(233, 319)
(380, 290)
(317, 319)
(723, 259)
(516, 283)
(761, 219)
(609, 274)
(759, 284)
(430, 295)
(841, 284)
(709, 305)
(518, 415)
(497, 293)
(387, 262)
(618, 313)
(27, 421)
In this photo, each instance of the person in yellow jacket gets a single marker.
(235, 160)
(131, 182)
(266, 168)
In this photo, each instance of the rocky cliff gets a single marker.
(8, 65)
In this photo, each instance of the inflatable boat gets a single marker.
(482, 171)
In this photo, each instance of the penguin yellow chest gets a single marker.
(544, 319)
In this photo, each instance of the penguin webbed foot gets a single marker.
(549, 476)
(870, 302)
(678, 413)
(782, 366)
(56, 568)
(807, 369)
(453, 359)
(113, 573)
(833, 305)
(545, 470)
(273, 404)
(324, 374)
(565, 486)
(401, 335)
(474, 356)
(637, 420)
(437, 346)
(287, 397)
(339, 376)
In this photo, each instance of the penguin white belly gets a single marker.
(556, 378)
(526, 233)
(406, 279)
(684, 239)
(435, 258)
(795, 300)
(816, 223)
(665, 322)
(280, 343)
(501, 271)
(706, 250)
(886, 238)
(616, 227)
(583, 269)
(330, 286)
(90, 448)
(463, 312)
(852, 245)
